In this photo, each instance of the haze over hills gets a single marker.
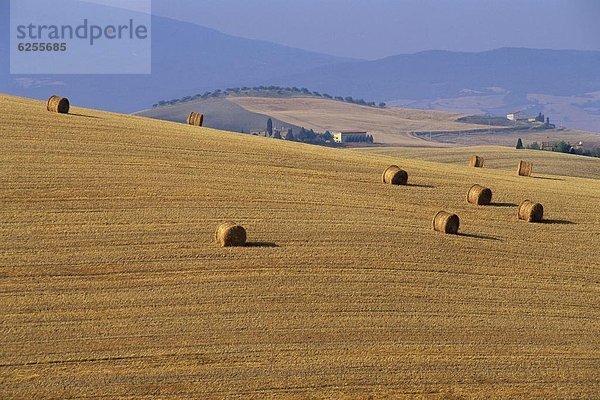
(248, 110)
(186, 59)
(189, 59)
(404, 126)
(563, 84)
(432, 74)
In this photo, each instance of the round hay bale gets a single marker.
(195, 119)
(393, 175)
(525, 168)
(230, 234)
(531, 212)
(479, 195)
(476, 162)
(58, 105)
(446, 222)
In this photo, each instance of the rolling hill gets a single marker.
(219, 113)
(544, 162)
(563, 84)
(246, 111)
(436, 73)
(112, 286)
(250, 112)
(205, 60)
(392, 126)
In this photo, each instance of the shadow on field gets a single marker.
(503, 205)
(474, 236)
(421, 186)
(549, 179)
(85, 116)
(261, 244)
(557, 222)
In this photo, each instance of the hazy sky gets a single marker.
(379, 28)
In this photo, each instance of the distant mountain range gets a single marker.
(432, 74)
(186, 59)
(564, 84)
(189, 59)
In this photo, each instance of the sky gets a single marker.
(371, 29)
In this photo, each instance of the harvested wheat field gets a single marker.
(112, 284)
(389, 125)
(506, 158)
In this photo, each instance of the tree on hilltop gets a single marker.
(519, 144)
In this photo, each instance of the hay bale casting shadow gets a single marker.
(531, 212)
(393, 175)
(58, 104)
(503, 205)
(230, 234)
(446, 222)
(476, 162)
(475, 236)
(479, 195)
(195, 119)
(557, 222)
(261, 244)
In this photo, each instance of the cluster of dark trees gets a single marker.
(562, 147)
(541, 118)
(185, 99)
(273, 89)
(310, 136)
(304, 135)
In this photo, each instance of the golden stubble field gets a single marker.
(111, 285)
(496, 157)
(392, 126)
(396, 126)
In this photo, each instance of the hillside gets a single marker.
(402, 126)
(492, 137)
(250, 112)
(112, 286)
(390, 126)
(544, 162)
(186, 59)
(563, 84)
(219, 113)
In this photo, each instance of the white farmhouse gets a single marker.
(516, 116)
(350, 136)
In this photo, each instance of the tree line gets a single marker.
(561, 147)
(277, 89)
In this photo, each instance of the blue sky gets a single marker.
(379, 28)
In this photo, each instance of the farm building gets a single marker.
(548, 145)
(350, 136)
(516, 116)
